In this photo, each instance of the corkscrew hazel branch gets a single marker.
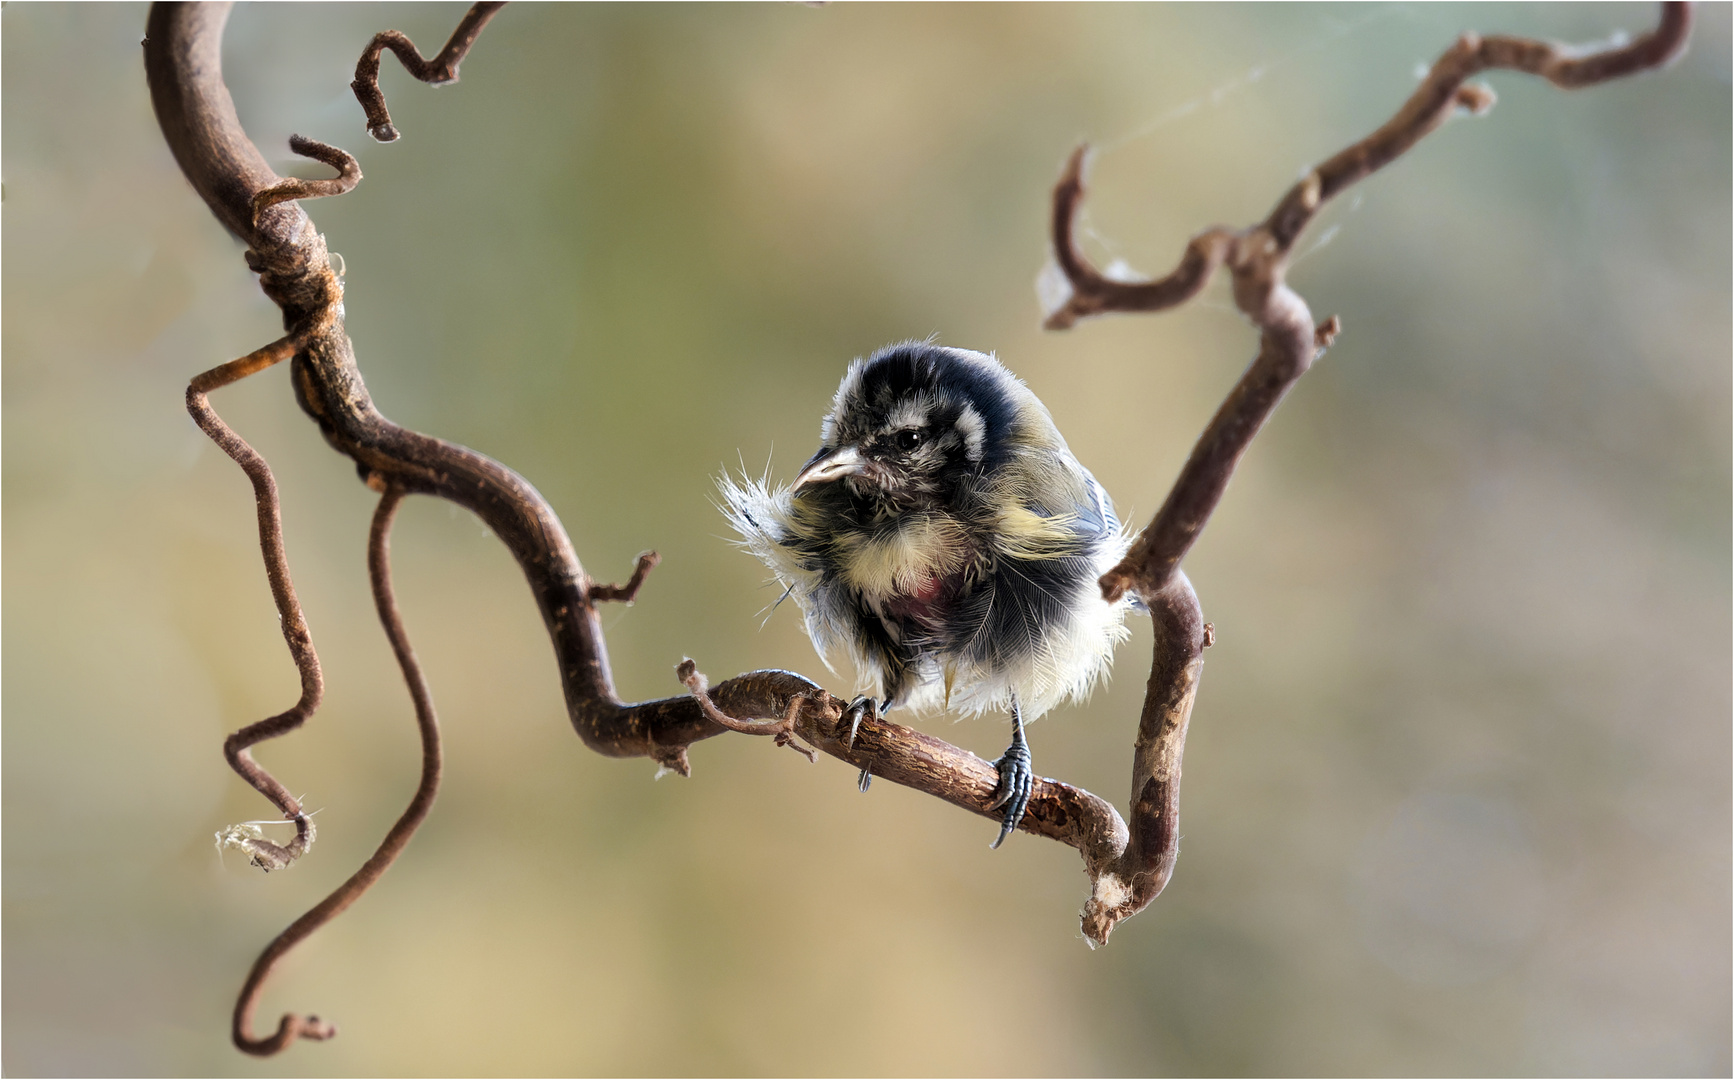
(348, 175)
(292, 1027)
(1444, 91)
(264, 853)
(441, 70)
(627, 593)
(782, 729)
(1257, 258)
(1127, 868)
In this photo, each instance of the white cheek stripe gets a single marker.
(969, 422)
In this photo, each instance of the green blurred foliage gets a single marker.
(1457, 795)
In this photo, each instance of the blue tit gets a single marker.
(947, 542)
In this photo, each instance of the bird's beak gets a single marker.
(844, 461)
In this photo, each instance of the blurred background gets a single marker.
(1457, 793)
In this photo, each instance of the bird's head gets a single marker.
(915, 423)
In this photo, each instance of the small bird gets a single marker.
(945, 539)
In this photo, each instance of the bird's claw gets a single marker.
(862, 708)
(1016, 781)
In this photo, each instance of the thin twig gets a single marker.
(291, 1027)
(236, 748)
(627, 593)
(348, 175)
(782, 729)
(1442, 93)
(442, 70)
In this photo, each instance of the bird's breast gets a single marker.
(909, 570)
(925, 606)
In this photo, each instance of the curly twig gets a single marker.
(291, 1026)
(1441, 93)
(442, 70)
(1290, 341)
(627, 593)
(236, 748)
(182, 61)
(348, 175)
(782, 729)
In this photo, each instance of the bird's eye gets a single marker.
(908, 439)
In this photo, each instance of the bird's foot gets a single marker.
(862, 708)
(1016, 781)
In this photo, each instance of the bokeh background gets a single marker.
(1457, 794)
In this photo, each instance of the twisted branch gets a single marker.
(291, 1026)
(1260, 252)
(442, 70)
(1257, 258)
(627, 593)
(348, 175)
(197, 116)
(237, 747)
(1128, 867)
